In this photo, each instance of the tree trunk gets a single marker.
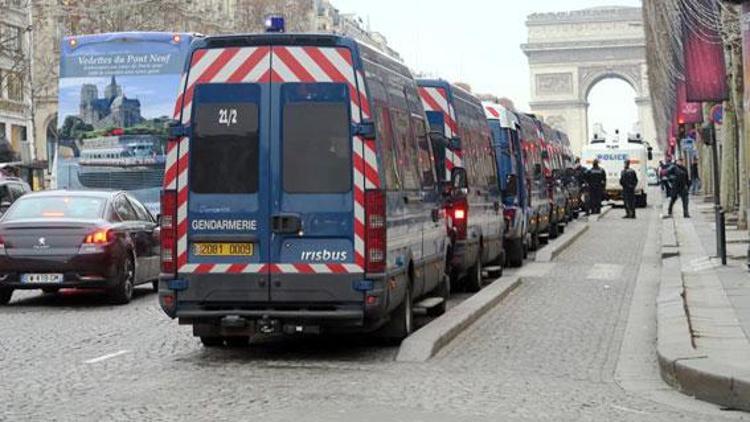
(729, 159)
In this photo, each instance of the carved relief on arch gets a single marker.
(556, 121)
(590, 75)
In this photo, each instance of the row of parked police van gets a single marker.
(314, 185)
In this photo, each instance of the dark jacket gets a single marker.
(628, 179)
(596, 177)
(678, 178)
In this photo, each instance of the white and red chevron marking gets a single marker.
(436, 99)
(278, 64)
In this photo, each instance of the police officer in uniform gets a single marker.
(678, 178)
(628, 181)
(596, 178)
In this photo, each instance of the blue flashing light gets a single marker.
(274, 23)
(363, 285)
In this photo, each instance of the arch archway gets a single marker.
(611, 103)
(570, 52)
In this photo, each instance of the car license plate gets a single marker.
(223, 249)
(41, 278)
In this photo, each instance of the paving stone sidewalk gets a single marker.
(704, 310)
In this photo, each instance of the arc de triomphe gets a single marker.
(570, 52)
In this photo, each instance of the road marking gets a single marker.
(604, 272)
(105, 357)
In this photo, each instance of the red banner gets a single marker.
(687, 112)
(705, 70)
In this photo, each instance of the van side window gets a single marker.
(317, 145)
(424, 155)
(224, 149)
(387, 149)
(406, 146)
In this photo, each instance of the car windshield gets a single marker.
(76, 207)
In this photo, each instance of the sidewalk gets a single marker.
(703, 314)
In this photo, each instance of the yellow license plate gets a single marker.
(223, 249)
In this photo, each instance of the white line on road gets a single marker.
(105, 357)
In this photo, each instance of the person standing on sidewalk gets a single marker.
(596, 178)
(695, 180)
(678, 178)
(628, 181)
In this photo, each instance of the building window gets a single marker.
(3, 136)
(15, 86)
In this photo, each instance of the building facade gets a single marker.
(16, 129)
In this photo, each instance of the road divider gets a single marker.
(427, 341)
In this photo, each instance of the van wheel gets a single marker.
(553, 230)
(443, 291)
(534, 243)
(515, 252)
(122, 293)
(212, 341)
(474, 278)
(5, 295)
(401, 323)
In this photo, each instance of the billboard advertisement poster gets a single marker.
(116, 97)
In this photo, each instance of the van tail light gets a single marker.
(98, 237)
(168, 231)
(375, 231)
(459, 218)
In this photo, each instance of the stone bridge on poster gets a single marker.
(570, 52)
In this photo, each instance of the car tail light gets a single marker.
(168, 231)
(98, 237)
(459, 218)
(375, 231)
(510, 214)
(2, 245)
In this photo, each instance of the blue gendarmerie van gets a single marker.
(300, 194)
(476, 215)
(506, 141)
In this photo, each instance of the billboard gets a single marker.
(116, 96)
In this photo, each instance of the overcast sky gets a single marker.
(478, 42)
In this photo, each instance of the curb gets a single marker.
(550, 252)
(428, 340)
(682, 366)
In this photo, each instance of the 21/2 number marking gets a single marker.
(228, 117)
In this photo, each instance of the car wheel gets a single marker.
(155, 285)
(5, 295)
(402, 320)
(444, 291)
(474, 278)
(534, 246)
(212, 341)
(237, 341)
(561, 229)
(122, 293)
(50, 290)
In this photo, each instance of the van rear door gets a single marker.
(223, 228)
(315, 103)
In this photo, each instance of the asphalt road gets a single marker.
(548, 352)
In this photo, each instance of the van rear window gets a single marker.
(317, 147)
(224, 152)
